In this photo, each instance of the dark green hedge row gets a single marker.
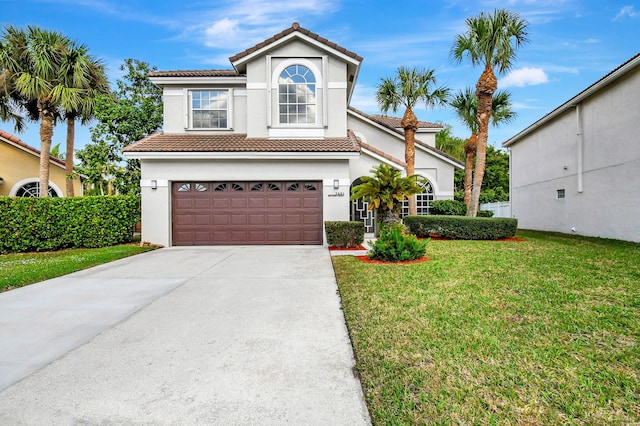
(461, 227)
(45, 224)
(344, 234)
(454, 208)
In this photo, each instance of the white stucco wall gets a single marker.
(176, 108)
(547, 160)
(156, 204)
(438, 171)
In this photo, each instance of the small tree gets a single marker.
(385, 191)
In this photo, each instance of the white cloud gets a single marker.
(629, 11)
(524, 77)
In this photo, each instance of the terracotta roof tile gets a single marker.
(195, 73)
(174, 142)
(394, 122)
(16, 140)
(293, 28)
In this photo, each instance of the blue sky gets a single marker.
(573, 43)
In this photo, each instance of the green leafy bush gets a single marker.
(396, 246)
(462, 227)
(45, 224)
(448, 208)
(485, 213)
(344, 234)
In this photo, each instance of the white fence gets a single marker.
(501, 209)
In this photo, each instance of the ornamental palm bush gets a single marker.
(394, 245)
(385, 191)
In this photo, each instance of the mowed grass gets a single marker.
(17, 270)
(545, 331)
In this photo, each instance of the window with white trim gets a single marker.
(209, 109)
(297, 100)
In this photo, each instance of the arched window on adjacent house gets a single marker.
(32, 189)
(297, 100)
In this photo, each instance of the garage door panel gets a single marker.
(275, 203)
(256, 219)
(202, 219)
(206, 213)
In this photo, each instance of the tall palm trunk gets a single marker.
(487, 84)
(46, 134)
(470, 155)
(410, 124)
(68, 168)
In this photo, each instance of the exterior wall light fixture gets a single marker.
(336, 184)
(154, 184)
(1, 181)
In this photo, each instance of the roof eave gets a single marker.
(240, 155)
(164, 81)
(571, 103)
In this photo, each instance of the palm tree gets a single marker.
(491, 41)
(407, 88)
(33, 58)
(9, 104)
(84, 72)
(385, 191)
(465, 104)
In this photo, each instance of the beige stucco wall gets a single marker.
(156, 204)
(18, 167)
(547, 160)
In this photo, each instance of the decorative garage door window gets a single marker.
(236, 212)
(32, 189)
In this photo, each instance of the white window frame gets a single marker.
(189, 110)
(320, 91)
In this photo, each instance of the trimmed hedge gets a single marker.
(45, 224)
(461, 227)
(344, 234)
(447, 207)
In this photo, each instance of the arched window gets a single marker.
(423, 200)
(297, 101)
(32, 189)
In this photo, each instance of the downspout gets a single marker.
(510, 184)
(580, 141)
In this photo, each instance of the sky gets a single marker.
(572, 43)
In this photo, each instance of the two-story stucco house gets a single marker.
(576, 169)
(265, 152)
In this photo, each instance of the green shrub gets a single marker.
(45, 224)
(485, 213)
(462, 227)
(448, 208)
(396, 246)
(344, 234)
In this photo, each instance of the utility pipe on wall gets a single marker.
(580, 141)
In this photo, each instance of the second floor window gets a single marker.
(297, 96)
(209, 109)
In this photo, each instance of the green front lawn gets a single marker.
(17, 270)
(545, 331)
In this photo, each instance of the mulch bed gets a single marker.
(360, 247)
(366, 259)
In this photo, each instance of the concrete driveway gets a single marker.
(215, 335)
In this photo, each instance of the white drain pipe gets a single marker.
(580, 141)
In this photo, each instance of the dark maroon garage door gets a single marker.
(218, 213)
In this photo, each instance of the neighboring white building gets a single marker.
(266, 152)
(576, 170)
